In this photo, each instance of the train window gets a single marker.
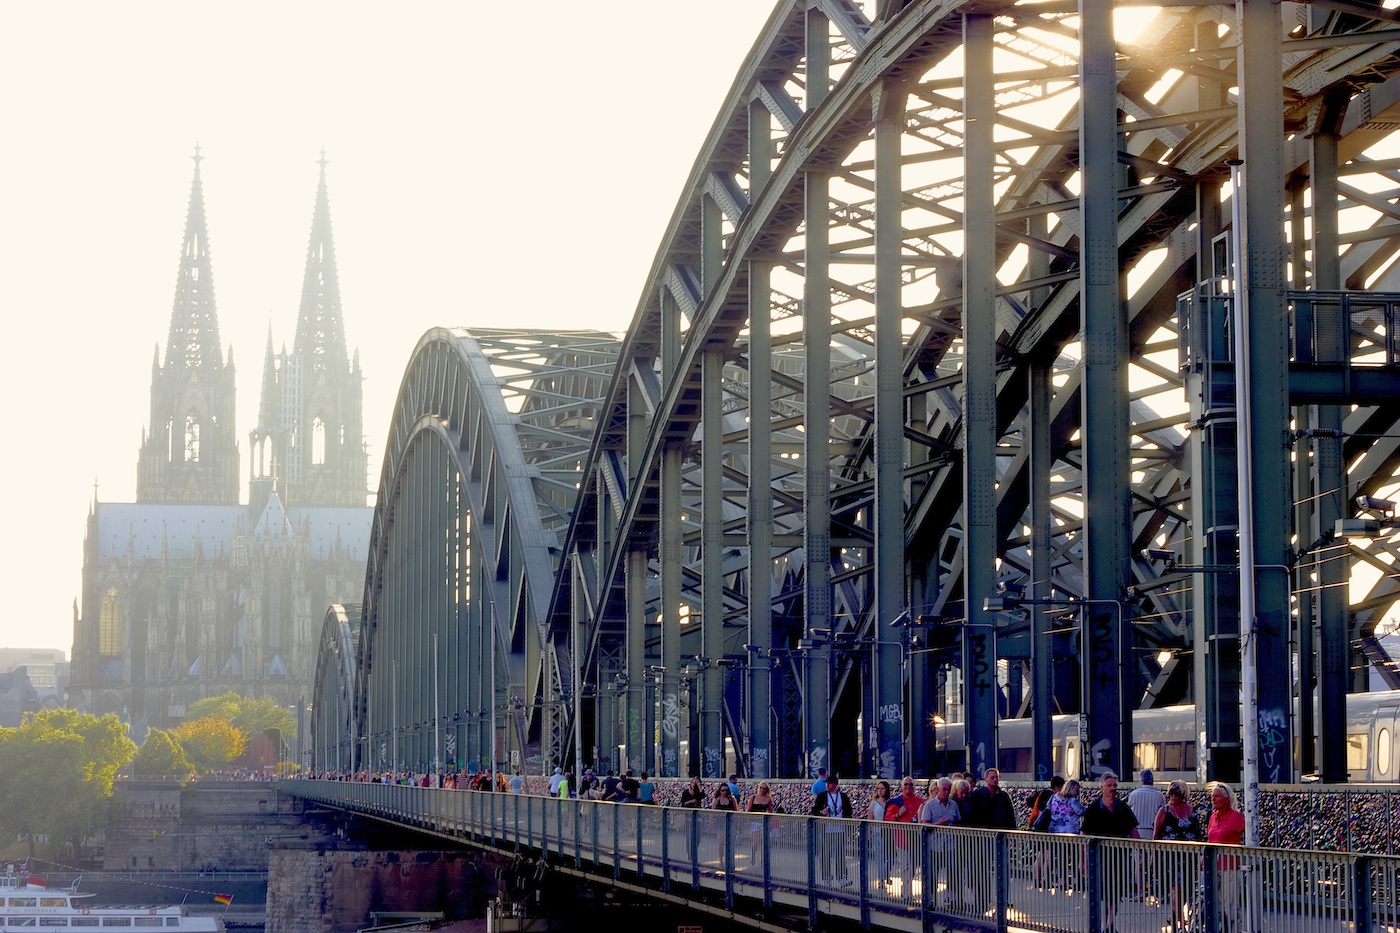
(1145, 756)
(1017, 760)
(1171, 756)
(1358, 751)
(1188, 762)
(1383, 752)
(1072, 759)
(1056, 759)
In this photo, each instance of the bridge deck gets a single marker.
(901, 876)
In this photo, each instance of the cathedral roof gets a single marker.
(140, 531)
(273, 527)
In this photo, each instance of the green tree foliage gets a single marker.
(56, 774)
(261, 714)
(161, 756)
(210, 742)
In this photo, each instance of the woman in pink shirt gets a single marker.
(1226, 828)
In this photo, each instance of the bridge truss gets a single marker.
(935, 350)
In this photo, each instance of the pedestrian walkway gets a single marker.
(903, 876)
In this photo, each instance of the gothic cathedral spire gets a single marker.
(309, 442)
(190, 453)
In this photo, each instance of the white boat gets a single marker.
(28, 905)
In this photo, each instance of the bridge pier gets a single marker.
(325, 887)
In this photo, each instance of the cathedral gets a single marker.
(186, 592)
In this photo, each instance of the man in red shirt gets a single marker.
(904, 807)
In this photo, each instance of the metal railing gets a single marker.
(905, 876)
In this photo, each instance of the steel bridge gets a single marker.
(928, 412)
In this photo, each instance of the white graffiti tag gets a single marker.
(670, 715)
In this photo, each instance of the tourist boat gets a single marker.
(29, 905)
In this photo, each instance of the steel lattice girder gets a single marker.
(488, 434)
(738, 245)
(332, 724)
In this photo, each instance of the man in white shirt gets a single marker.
(1146, 802)
(834, 803)
(942, 810)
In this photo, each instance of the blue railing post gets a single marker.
(616, 848)
(1003, 877)
(863, 867)
(641, 854)
(1361, 884)
(1093, 886)
(811, 874)
(666, 849)
(729, 861)
(578, 832)
(695, 850)
(767, 872)
(597, 816)
(1208, 891)
(924, 839)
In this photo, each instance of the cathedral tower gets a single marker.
(190, 453)
(308, 445)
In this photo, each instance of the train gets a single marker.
(1166, 742)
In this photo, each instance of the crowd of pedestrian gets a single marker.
(957, 799)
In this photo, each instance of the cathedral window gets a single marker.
(318, 441)
(191, 438)
(109, 624)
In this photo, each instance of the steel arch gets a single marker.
(778, 226)
(333, 692)
(478, 481)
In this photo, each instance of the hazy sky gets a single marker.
(489, 164)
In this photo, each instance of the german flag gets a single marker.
(224, 899)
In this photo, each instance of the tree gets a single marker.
(252, 715)
(210, 742)
(56, 774)
(161, 756)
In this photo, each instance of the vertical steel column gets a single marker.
(640, 733)
(922, 572)
(890, 600)
(1214, 503)
(1304, 511)
(1265, 328)
(1042, 649)
(578, 645)
(758, 709)
(1334, 643)
(712, 565)
(816, 393)
(816, 529)
(711, 511)
(1109, 667)
(637, 736)
(670, 548)
(670, 557)
(979, 393)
